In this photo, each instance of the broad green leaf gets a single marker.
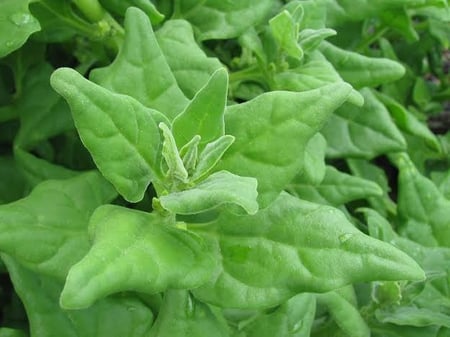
(16, 25)
(359, 70)
(218, 189)
(181, 314)
(336, 189)
(176, 170)
(194, 69)
(121, 316)
(211, 155)
(140, 70)
(203, 116)
(285, 32)
(43, 113)
(126, 148)
(346, 316)
(278, 127)
(423, 211)
(413, 316)
(400, 20)
(46, 231)
(216, 19)
(292, 319)
(119, 7)
(362, 132)
(14, 186)
(8, 332)
(316, 72)
(134, 250)
(294, 246)
(314, 166)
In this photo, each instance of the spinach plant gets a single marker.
(239, 168)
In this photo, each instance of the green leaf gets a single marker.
(290, 247)
(219, 188)
(120, 6)
(203, 116)
(126, 148)
(14, 186)
(412, 316)
(211, 155)
(216, 19)
(362, 132)
(422, 209)
(8, 332)
(345, 314)
(16, 25)
(271, 148)
(314, 167)
(189, 154)
(310, 39)
(285, 32)
(136, 251)
(194, 69)
(337, 188)
(46, 231)
(359, 70)
(140, 70)
(292, 319)
(182, 314)
(121, 316)
(176, 170)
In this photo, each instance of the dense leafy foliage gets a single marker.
(224, 168)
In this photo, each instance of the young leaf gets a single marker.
(46, 231)
(140, 69)
(194, 69)
(280, 124)
(211, 155)
(422, 209)
(16, 25)
(176, 170)
(182, 314)
(219, 188)
(203, 116)
(121, 316)
(336, 189)
(120, 6)
(294, 246)
(362, 132)
(285, 31)
(120, 133)
(189, 154)
(310, 39)
(133, 250)
(359, 70)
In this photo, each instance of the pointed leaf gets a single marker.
(285, 31)
(121, 316)
(279, 126)
(203, 116)
(194, 69)
(126, 148)
(219, 188)
(46, 231)
(134, 250)
(17, 21)
(182, 314)
(189, 154)
(295, 246)
(336, 189)
(141, 70)
(362, 132)
(359, 70)
(176, 169)
(310, 39)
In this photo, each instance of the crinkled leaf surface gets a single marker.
(278, 127)
(218, 189)
(140, 70)
(422, 209)
(47, 230)
(112, 317)
(194, 69)
(182, 315)
(204, 115)
(227, 19)
(16, 25)
(121, 134)
(134, 250)
(294, 246)
(337, 188)
(362, 132)
(359, 70)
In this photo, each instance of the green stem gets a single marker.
(371, 39)
(91, 9)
